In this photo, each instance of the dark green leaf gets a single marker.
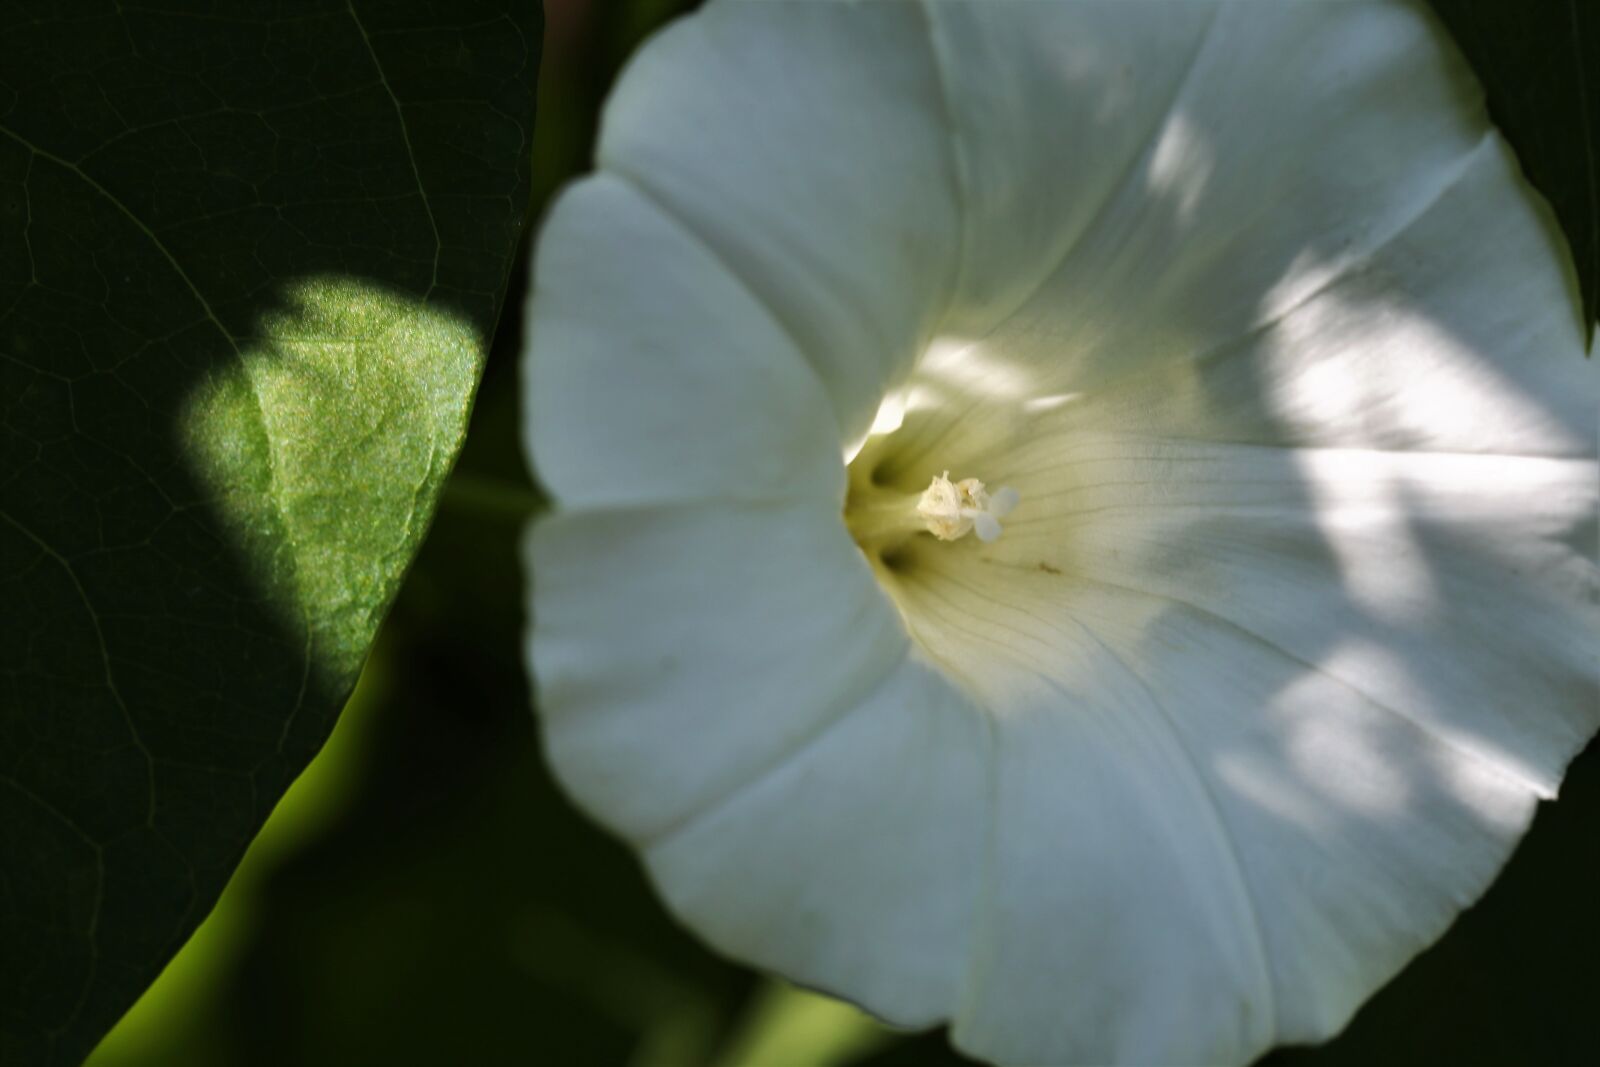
(1540, 65)
(251, 256)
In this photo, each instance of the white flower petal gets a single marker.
(1459, 334)
(854, 866)
(823, 179)
(1031, 185)
(1319, 754)
(1379, 568)
(1292, 614)
(1189, 869)
(1246, 186)
(659, 377)
(682, 652)
(1319, 241)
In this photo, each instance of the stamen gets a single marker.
(881, 520)
(952, 509)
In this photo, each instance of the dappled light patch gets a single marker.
(1186, 740)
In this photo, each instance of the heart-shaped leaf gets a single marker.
(251, 256)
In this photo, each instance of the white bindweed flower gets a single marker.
(1249, 679)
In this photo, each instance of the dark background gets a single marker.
(425, 895)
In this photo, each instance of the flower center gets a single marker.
(881, 520)
(951, 510)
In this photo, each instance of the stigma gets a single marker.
(951, 510)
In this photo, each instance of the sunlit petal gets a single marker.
(1211, 592)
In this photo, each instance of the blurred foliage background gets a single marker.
(425, 895)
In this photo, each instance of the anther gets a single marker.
(952, 509)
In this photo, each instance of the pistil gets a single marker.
(881, 521)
